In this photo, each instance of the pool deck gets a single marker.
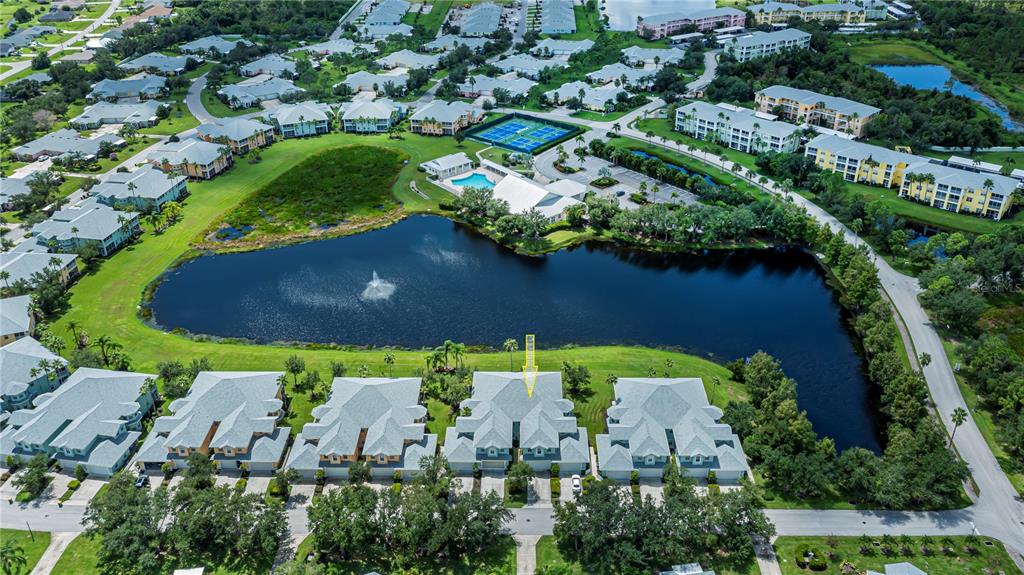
(450, 185)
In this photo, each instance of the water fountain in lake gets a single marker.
(377, 289)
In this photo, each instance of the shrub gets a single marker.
(554, 470)
(801, 552)
(818, 563)
(241, 483)
(80, 473)
(714, 489)
(397, 477)
(74, 484)
(167, 468)
(634, 477)
(712, 478)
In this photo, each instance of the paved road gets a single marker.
(710, 69)
(194, 100)
(352, 14)
(19, 66)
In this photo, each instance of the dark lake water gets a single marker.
(935, 77)
(451, 283)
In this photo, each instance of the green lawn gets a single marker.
(1009, 90)
(431, 21)
(599, 116)
(991, 557)
(548, 554)
(106, 164)
(217, 108)
(179, 120)
(32, 543)
(514, 500)
(500, 561)
(104, 301)
(76, 25)
(81, 557)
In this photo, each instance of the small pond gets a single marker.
(935, 77)
(426, 279)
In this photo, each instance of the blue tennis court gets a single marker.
(521, 134)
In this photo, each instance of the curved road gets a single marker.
(19, 66)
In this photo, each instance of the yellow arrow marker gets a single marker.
(530, 368)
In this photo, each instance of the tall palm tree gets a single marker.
(510, 346)
(959, 416)
(389, 359)
(106, 345)
(73, 328)
(4, 277)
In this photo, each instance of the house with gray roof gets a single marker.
(90, 222)
(363, 81)
(383, 31)
(504, 413)
(451, 41)
(440, 118)
(739, 128)
(156, 62)
(557, 17)
(191, 157)
(600, 98)
(145, 189)
(23, 38)
(387, 13)
(213, 44)
(549, 47)
(448, 166)
(55, 15)
(480, 85)
(22, 265)
(759, 44)
(242, 134)
(27, 369)
(64, 142)
(624, 76)
(526, 65)
(339, 46)
(898, 569)
(140, 115)
(481, 20)
(11, 188)
(231, 417)
(94, 420)
(273, 64)
(301, 119)
(251, 91)
(653, 422)
(408, 59)
(637, 56)
(832, 112)
(376, 420)
(141, 85)
(370, 116)
(16, 319)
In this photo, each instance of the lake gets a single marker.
(622, 13)
(439, 280)
(935, 77)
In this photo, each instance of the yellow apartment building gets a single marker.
(804, 106)
(958, 190)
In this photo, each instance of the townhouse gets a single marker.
(600, 98)
(230, 417)
(771, 13)
(513, 85)
(192, 157)
(860, 162)
(213, 45)
(448, 166)
(624, 76)
(339, 46)
(549, 47)
(65, 142)
(662, 25)
(557, 17)
(92, 420)
(382, 32)
(28, 370)
(370, 116)
(301, 119)
(639, 57)
(379, 421)
(958, 190)
(759, 44)
(90, 222)
(509, 411)
(272, 64)
(157, 63)
(145, 189)
(142, 86)
(363, 81)
(655, 422)
(387, 13)
(21, 266)
(834, 113)
(16, 319)
(451, 41)
(242, 134)
(251, 91)
(873, 9)
(527, 66)
(439, 118)
(410, 60)
(141, 115)
(480, 20)
(739, 128)
(23, 38)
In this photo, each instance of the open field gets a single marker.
(33, 544)
(81, 556)
(990, 556)
(219, 109)
(179, 120)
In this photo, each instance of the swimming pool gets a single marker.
(474, 180)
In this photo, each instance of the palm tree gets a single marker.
(389, 359)
(510, 346)
(12, 557)
(616, 127)
(106, 345)
(959, 416)
(4, 276)
(73, 328)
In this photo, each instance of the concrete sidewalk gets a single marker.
(58, 543)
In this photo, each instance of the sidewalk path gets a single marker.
(526, 554)
(58, 543)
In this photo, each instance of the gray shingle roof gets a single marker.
(234, 129)
(156, 61)
(861, 151)
(258, 89)
(451, 41)
(592, 96)
(222, 44)
(149, 183)
(187, 151)
(14, 315)
(616, 71)
(408, 59)
(744, 120)
(964, 179)
(481, 20)
(234, 406)
(562, 46)
(339, 46)
(286, 114)
(664, 55)
(366, 80)
(382, 109)
(21, 265)
(142, 84)
(65, 141)
(527, 64)
(557, 15)
(93, 220)
(515, 87)
(386, 13)
(692, 15)
(807, 97)
(442, 111)
(18, 359)
(273, 64)
(115, 113)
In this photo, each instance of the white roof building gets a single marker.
(595, 98)
(273, 64)
(220, 44)
(526, 65)
(480, 85)
(627, 76)
(448, 166)
(408, 59)
(637, 56)
(553, 47)
(551, 201)
(252, 91)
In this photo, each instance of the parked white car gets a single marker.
(577, 484)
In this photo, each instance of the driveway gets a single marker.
(8, 490)
(566, 494)
(302, 495)
(463, 484)
(86, 491)
(540, 491)
(492, 482)
(258, 484)
(653, 488)
(225, 480)
(175, 481)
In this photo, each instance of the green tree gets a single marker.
(12, 558)
(295, 365)
(576, 379)
(359, 472)
(518, 477)
(34, 477)
(510, 346)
